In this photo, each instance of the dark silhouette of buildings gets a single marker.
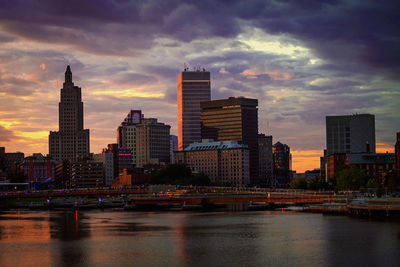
(9, 162)
(266, 162)
(282, 164)
(233, 119)
(397, 155)
(193, 87)
(71, 140)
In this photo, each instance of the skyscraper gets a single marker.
(265, 160)
(148, 139)
(350, 134)
(282, 164)
(233, 119)
(71, 140)
(193, 87)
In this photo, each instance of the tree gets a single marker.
(351, 178)
(179, 174)
(299, 183)
(318, 184)
(200, 179)
(172, 174)
(373, 183)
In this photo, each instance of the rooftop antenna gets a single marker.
(184, 66)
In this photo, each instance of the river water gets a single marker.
(256, 238)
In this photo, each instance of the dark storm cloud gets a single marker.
(357, 34)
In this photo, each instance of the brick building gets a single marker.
(224, 162)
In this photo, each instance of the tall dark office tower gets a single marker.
(193, 87)
(71, 140)
(282, 164)
(397, 155)
(350, 134)
(265, 159)
(233, 119)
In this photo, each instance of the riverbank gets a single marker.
(378, 208)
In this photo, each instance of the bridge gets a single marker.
(143, 196)
(216, 199)
(70, 193)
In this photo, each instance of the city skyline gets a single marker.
(300, 69)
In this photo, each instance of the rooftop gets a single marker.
(210, 144)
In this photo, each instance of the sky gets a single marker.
(303, 60)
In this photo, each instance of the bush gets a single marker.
(351, 178)
(299, 183)
(179, 174)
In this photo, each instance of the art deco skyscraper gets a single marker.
(193, 87)
(71, 140)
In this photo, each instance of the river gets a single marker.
(252, 238)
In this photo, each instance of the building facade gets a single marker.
(38, 168)
(9, 162)
(335, 162)
(193, 88)
(282, 164)
(233, 119)
(397, 155)
(350, 134)
(266, 162)
(377, 165)
(225, 162)
(148, 139)
(71, 140)
(86, 174)
(173, 146)
(134, 176)
(124, 160)
(323, 162)
(63, 174)
(107, 158)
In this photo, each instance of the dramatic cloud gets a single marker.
(303, 60)
(5, 135)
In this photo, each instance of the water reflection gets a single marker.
(258, 238)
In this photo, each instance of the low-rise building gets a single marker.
(63, 174)
(107, 158)
(222, 161)
(9, 162)
(38, 168)
(134, 176)
(377, 165)
(335, 162)
(87, 174)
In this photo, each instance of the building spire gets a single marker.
(68, 75)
